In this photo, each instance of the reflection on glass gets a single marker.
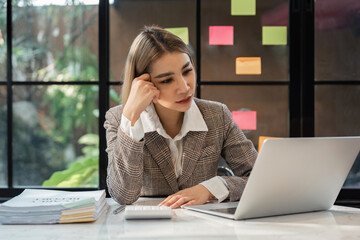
(337, 38)
(218, 61)
(3, 138)
(55, 41)
(115, 96)
(269, 102)
(337, 110)
(3, 40)
(128, 17)
(337, 113)
(353, 179)
(55, 129)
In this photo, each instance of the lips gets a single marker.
(185, 100)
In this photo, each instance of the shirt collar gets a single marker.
(193, 121)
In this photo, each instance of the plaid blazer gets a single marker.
(145, 168)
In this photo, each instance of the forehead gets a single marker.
(170, 62)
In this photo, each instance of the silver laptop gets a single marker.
(292, 175)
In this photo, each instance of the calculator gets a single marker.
(148, 212)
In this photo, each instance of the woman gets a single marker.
(164, 142)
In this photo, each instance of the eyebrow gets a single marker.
(171, 73)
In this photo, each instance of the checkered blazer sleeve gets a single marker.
(239, 153)
(125, 160)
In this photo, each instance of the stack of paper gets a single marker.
(53, 206)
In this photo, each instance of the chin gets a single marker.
(181, 108)
(184, 109)
(176, 107)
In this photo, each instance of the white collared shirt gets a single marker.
(193, 121)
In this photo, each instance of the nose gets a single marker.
(183, 85)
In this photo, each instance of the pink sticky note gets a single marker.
(245, 119)
(221, 35)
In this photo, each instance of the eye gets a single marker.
(166, 81)
(187, 71)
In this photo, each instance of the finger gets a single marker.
(152, 93)
(172, 200)
(192, 202)
(148, 87)
(172, 195)
(144, 77)
(180, 202)
(166, 199)
(156, 97)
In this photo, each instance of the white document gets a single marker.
(40, 206)
(47, 200)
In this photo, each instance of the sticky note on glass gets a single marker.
(181, 32)
(221, 35)
(243, 7)
(274, 35)
(246, 120)
(248, 66)
(262, 139)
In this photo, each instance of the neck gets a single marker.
(171, 120)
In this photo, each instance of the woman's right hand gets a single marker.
(142, 93)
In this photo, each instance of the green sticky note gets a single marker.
(181, 32)
(243, 7)
(274, 35)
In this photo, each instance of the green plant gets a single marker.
(71, 108)
(84, 172)
(114, 96)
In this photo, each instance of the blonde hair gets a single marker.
(147, 47)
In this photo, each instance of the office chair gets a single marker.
(224, 169)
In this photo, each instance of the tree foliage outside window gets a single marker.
(55, 126)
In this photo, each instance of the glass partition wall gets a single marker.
(337, 73)
(62, 69)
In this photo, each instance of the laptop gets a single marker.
(292, 175)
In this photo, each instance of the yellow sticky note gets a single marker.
(181, 32)
(274, 35)
(248, 66)
(243, 7)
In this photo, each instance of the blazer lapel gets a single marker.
(192, 146)
(161, 154)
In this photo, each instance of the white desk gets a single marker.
(338, 223)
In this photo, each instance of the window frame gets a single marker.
(103, 85)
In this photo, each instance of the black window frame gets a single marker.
(301, 85)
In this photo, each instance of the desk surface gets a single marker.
(337, 223)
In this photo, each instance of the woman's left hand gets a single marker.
(190, 196)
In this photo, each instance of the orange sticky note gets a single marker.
(248, 65)
(221, 35)
(245, 119)
(262, 139)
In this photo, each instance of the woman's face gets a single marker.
(174, 75)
